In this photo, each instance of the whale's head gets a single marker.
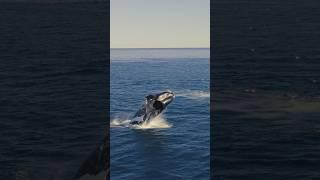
(161, 100)
(165, 97)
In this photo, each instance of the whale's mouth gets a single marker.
(165, 98)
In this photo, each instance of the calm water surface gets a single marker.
(52, 92)
(177, 147)
(266, 90)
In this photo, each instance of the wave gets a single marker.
(193, 94)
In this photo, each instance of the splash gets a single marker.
(193, 94)
(159, 122)
(118, 122)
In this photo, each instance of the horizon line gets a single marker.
(159, 47)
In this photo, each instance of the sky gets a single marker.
(160, 23)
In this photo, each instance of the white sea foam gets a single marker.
(158, 122)
(118, 122)
(193, 94)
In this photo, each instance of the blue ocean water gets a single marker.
(177, 145)
(52, 92)
(266, 90)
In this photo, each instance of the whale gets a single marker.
(154, 105)
(96, 166)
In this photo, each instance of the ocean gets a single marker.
(265, 96)
(53, 100)
(266, 90)
(175, 145)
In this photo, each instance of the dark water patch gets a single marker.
(265, 104)
(53, 95)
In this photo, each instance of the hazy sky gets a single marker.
(159, 23)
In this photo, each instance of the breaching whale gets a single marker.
(153, 105)
(96, 166)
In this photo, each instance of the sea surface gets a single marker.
(175, 145)
(53, 83)
(266, 90)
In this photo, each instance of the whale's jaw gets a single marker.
(165, 98)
